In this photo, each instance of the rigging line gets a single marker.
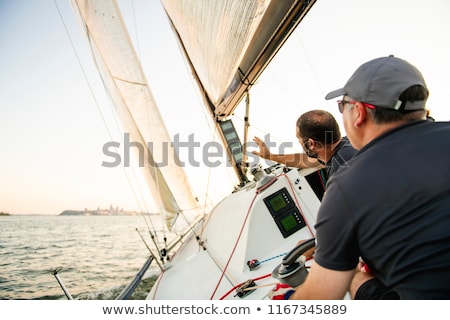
(185, 233)
(298, 205)
(183, 215)
(211, 127)
(85, 76)
(93, 95)
(274, 257)
(146, 208)
(82, 69)
(151, 252)
(138, 47)
(159, 201)
(213, 131)
(291, 97)
(155, 168)
(250, 288)
(152, 236)
(313, 70)
(143, 212)
(208, 179)
(190, 223)
(246, 130)
(231, 279)
(136, 190)
(264, 132)
(235, 245)
(150, 132)
(208, 184)
(230, 174)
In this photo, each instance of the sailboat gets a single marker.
(243, 245)
(233, 249)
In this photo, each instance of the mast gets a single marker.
(228, 44)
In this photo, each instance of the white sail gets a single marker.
(128, 88)
(229, 43)
(216, 48)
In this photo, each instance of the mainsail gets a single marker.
(229, 43)
(135, 105)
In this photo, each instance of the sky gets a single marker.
(55, 116)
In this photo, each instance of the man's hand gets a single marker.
(362, 274)
(263, 152)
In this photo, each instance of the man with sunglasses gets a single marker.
(390, 205)
(319, 135)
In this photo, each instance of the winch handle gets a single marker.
(300, 249)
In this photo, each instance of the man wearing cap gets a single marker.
(391, 205)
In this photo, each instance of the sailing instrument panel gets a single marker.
(284, 212)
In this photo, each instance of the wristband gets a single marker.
(288, 294)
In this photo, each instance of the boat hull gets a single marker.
(255, 223)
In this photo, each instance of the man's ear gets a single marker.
(314, 144)
(310, 143)
(360, 115)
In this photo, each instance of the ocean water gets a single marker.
(97, 256)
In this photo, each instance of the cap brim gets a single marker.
(335, 94)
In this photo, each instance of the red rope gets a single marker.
(298, 205)
(240, 233)
(322, 182)
(240, 284)
(234, 248)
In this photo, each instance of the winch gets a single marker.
(263, 179)
(292, 269)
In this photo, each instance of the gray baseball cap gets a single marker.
(381, 81)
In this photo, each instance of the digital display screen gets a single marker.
(289, 222)
(285, 213)
(226, 125)
(278, 202)
(230, 136)
(235, 147)
(237, 157)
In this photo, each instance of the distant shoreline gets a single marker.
(100, 212)
(80, 213)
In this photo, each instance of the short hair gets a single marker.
(319, 125)
(412, 94)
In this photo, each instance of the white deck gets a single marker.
(240, 227)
